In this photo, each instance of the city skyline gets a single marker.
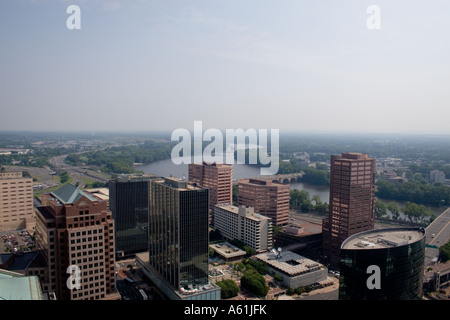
(291, 65)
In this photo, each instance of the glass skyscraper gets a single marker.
(128, 202)
(383, 264)
(178, 234)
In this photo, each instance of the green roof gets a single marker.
(68, 193)
(14, 286)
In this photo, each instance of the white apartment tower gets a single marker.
(244, 224)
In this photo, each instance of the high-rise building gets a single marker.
(75, 233)
(268, 198)
(128, 202)
(178, 240)
(383, 264)
(244, 224)
(218, 178)
(16, 201)
(351, 203)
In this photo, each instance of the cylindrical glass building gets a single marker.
(383, 264)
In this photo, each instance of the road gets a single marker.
(440, 228)
(76, 172)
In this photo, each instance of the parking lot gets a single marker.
(13, 241)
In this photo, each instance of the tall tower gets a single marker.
(351, 203)
(178, 237)
(218, 178)
(128, 202)
(75, 229)
(268, 198)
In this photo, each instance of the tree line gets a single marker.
(302, 199)
(252, 279)
(121, 159)
(414, 191)
(413, 211)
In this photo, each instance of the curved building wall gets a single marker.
(400, 268)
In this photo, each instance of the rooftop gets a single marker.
(101, 193)
(14, 286)
(248, 212)
(227, 250)
(134, 177)
(289, 262)
(68, 194)
(383, 238)
(178, 183)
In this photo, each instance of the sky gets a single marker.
(292, 65)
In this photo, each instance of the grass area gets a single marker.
(39, 193)
(87, 182)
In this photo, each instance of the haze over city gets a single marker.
(161, 65)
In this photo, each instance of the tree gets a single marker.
(278, 277)
(255, 283)
(64, 177)
(444, 252)
(298, 196)
(321, 208)
(235, 194)
(306, 206)
(416, 212)
(380, 209)
(259, 266)
(239, 267)
(249, 251)
(229, 288)
(316, 199)
(393, 208)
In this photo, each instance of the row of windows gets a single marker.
(88, 239)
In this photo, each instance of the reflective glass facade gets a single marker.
(178, 232)
(128, 202)
(401, 270)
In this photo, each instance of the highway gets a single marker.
(437, 234)
(75, 172)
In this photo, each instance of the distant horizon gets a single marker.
(93, 133)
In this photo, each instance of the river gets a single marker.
(242, 171)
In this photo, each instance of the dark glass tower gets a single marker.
(178, 233)
(128, 202)
(399, 255)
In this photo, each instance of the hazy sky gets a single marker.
(271, 64)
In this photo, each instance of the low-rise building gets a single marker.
(227, 251)
(15, 286)
(296, 270)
